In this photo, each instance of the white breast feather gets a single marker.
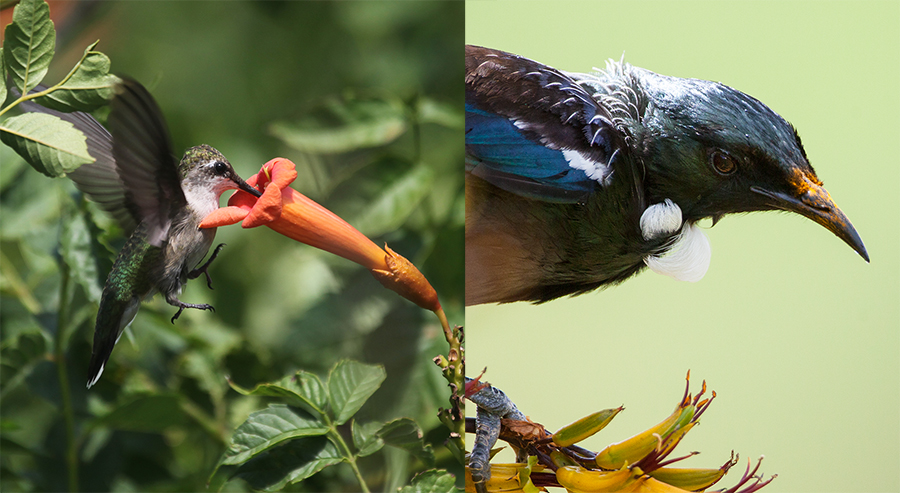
(203, 200)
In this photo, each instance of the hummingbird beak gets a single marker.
(246, 187)
(811, 200)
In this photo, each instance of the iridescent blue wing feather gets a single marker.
(533, 131)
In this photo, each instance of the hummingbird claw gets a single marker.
(203, 268)
(172, 300)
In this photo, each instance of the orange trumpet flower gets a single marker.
(292, 214)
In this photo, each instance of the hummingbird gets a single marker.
(158, 200)
(578, 181)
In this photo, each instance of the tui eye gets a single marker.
(220, 168)
(722, 162)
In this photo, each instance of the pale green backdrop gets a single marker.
(797, 334)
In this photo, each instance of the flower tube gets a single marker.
(294, 215)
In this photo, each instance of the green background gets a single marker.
(797, 335)
(223, 73)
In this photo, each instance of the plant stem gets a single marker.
(27, 97)
(335, 436)
(62, 321)
(453, 368)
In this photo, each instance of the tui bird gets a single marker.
(579, 181)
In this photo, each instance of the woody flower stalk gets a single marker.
(292, 214)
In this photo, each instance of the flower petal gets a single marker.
(266, 209)
(275, 175)
(283, 171)
(224, 216)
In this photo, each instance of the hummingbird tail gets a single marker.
(99, 357)
(111, 322)
(95, 370)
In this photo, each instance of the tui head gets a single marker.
(714, 150)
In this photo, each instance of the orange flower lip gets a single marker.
(294, 215)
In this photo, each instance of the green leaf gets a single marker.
(50, 145)
(13, 447)
(344, 126)
(291, 463)
(30, 43)
(200, 366)
(366, 439)
(302, 389)
(396, 203)
(77, 248)
(446, 115)
(432, 481)
(404, 433)
(350, 384)
(3, 91)
(20, 358)
(89, 86)
(147, 413)
(268, 428)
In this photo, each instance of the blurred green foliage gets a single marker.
(365, 98)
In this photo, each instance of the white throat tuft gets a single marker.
(688, 259)
(660, 219)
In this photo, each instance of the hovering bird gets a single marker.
(578, 181)
(157, 200)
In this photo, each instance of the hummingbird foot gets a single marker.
(172, 300)
(203, 268)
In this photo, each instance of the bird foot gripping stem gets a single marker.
(554, 459)
(492, 406)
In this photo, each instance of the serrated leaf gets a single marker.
(345, 126)
(366, 439)
(268, 428)
(147, 413)
(396, 202)
(404, 433)
(29, 44)
(50, 145)
(290, 463)
(350, 384)
(77, 250)
(302, 389)
(88, 87)
(432, 481)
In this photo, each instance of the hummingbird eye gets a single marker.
(722, 162)
(220, 168)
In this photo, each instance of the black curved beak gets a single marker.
(814, 202)
(246, 187)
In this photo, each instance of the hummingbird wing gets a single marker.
(99, 180)
(533, 131)
(144, 159)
